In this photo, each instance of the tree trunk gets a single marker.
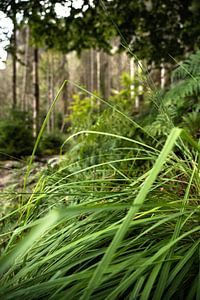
(52, 90)
(91, 70)
(119, 68)
(105, 76)
(136, 89)
(36, 106)
(25, 76)
(165, 75)
(155, 75)
(48, 92)
(132, 76)
(14, 62)
(65, 67)
(98, 71)
(140, 94)
(65, 96)
(85, 74)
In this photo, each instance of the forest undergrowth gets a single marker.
(118, 216)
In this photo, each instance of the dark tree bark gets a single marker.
(36, 106)
(26, 70)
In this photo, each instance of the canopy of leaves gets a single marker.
(157, 29)
(83, 26)
(154, 30)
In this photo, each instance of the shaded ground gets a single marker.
(12, 172)
(11, 182)
(7, 172)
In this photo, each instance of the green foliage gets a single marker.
(152, 29)
(110, 236)
(185, 79)
(90, 113)
(63, 33)
(156, 30)
(126, 97)
(179, 105)
(192, 122)
(190, 68)
(16, 137)
(84, 112)
(50, 143)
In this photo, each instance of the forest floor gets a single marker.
(12, 171)
(7, 173)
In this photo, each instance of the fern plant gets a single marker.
(180, 104)
(192, 122)
(186, 78)
(190, 68)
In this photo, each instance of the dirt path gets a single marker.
(12, 172)
(7, 171)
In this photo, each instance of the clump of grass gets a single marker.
(123, 227)
(111, 237)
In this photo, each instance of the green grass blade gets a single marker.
(167, 265)
(106, 134)
(107, 258)
(137, 288)
(187, 256)
(148, 263)
(113, 107)
(150, 282)
(36, 233)
(40, 134)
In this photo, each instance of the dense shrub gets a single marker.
(16, 137)
(114, 116)
(51, 143)
(84, 111)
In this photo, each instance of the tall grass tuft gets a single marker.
(123, 224)
(111, 236)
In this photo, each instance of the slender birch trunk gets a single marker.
(14, 61)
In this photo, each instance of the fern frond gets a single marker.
(161, 126)
(185, 88)
(192, 123)
(190, 68)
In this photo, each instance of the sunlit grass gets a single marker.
(120, 224)
(111, 236)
